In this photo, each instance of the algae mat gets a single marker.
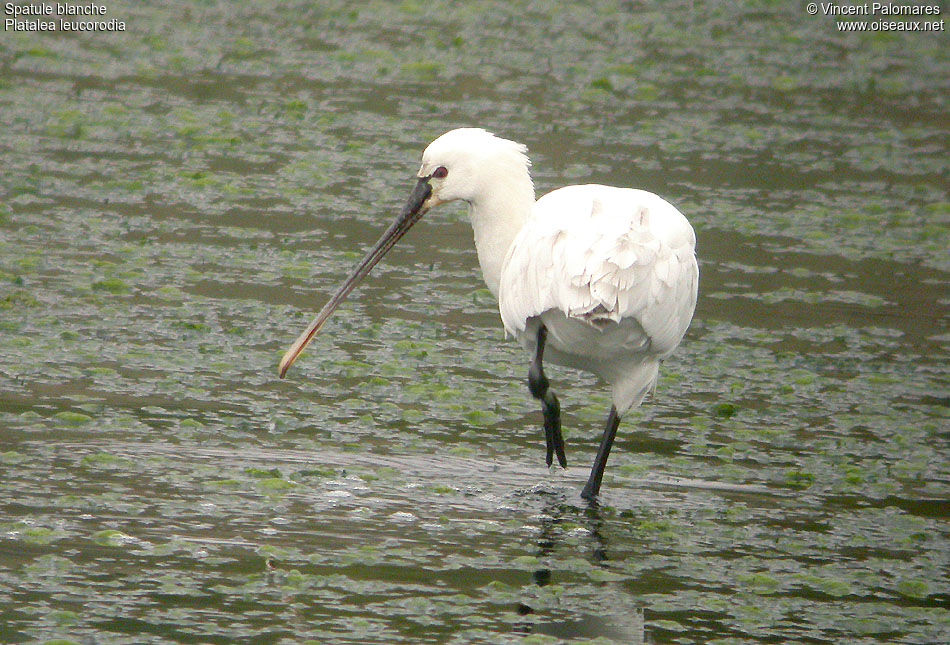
(178, 197)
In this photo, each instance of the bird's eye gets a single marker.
(440, 172)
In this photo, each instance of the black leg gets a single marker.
(538, 384)
(592, 489)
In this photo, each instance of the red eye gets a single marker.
(440, 172)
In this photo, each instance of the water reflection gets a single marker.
(627, 626)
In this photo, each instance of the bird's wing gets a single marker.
(601, 254)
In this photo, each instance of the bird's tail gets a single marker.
(634, 384)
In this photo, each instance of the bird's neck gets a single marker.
(497, 217)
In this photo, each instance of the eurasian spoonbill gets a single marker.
(598, 278)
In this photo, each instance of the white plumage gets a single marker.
(598, 278)
(612, 274)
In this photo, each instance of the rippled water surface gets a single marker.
(177, 199)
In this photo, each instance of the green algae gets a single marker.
(70, 418)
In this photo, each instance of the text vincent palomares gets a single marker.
(878, 9)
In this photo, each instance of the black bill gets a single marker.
(410, 214)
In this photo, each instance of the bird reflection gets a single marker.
(551, 543)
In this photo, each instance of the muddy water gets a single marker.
(178, 198)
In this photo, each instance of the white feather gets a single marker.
(612, 273)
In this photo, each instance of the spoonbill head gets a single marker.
(598, 278)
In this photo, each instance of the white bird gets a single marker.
(597, 278)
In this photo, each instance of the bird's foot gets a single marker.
(555, 444)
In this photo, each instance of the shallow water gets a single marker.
(178, 199)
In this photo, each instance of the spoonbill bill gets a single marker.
(593, 277)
